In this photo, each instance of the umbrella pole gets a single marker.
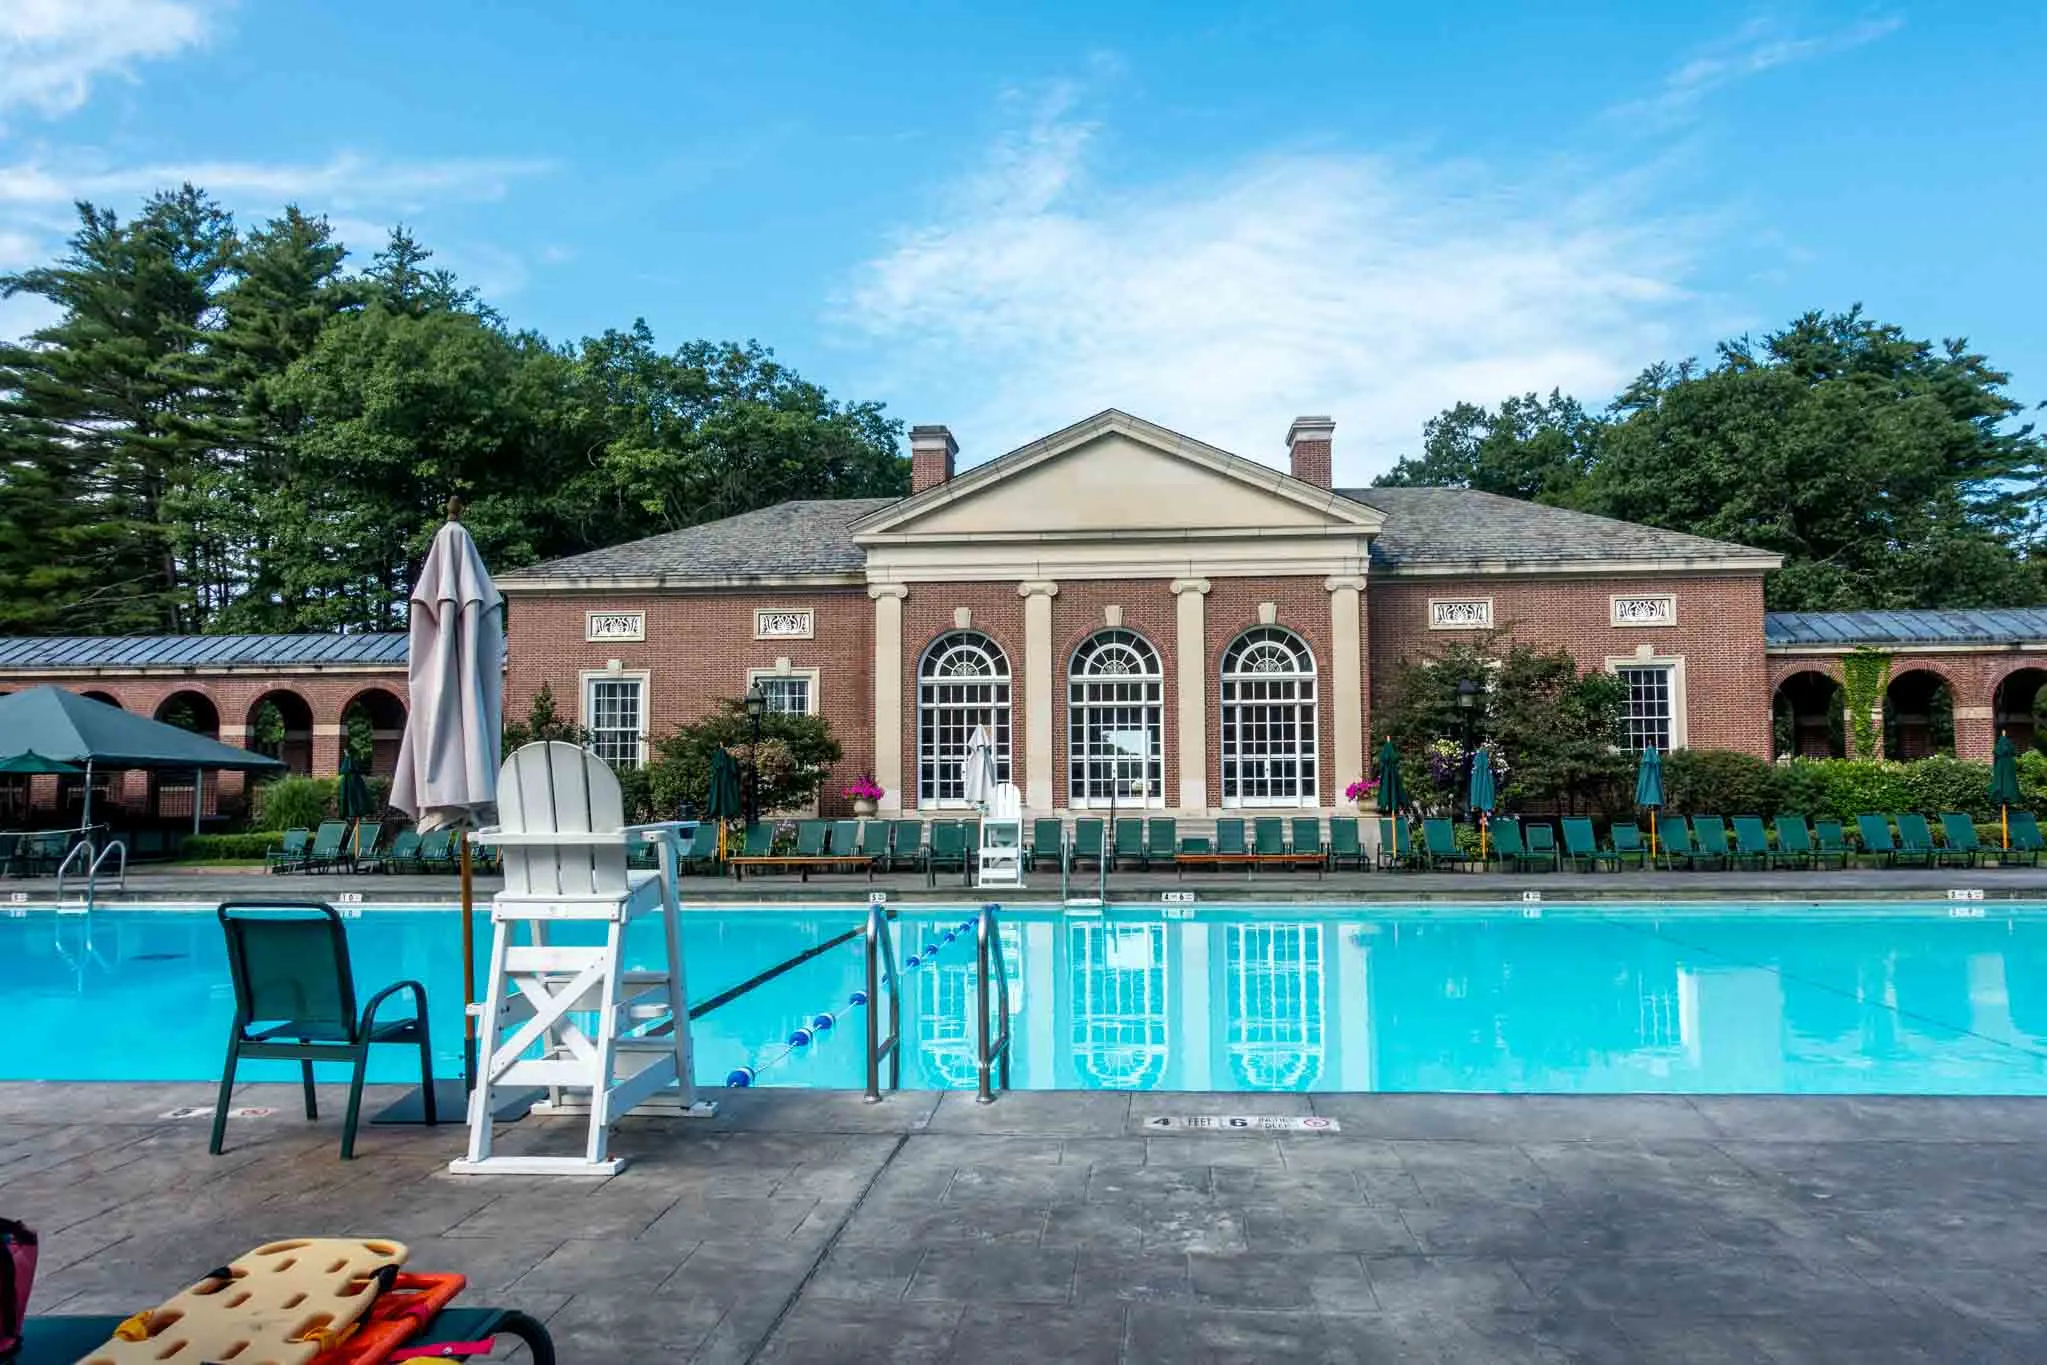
(2004, 824)
(1482, 822)
(1652, 838)
(468, 970)
(198, 791)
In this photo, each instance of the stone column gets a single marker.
(1037, 692)
(1347, 684)
(1975, 732)
(1190, 689)
(888, 692)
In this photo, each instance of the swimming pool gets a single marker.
(1610, 999)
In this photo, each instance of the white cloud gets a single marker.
(52, 51)
(1361, 286)
(1762, 44)
(345, 181)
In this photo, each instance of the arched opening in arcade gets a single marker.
(172, 794)
(372, 727)
(281, 726)
(1807, 718)
(1919, 716)
(2019, 704)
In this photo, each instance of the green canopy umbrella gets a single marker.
(722, 803)
(352, 797)
(1482, 794)
(2004, 784)
(1389, 795)
(28, 763)
(1649, 791)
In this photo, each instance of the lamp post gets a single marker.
(756, 707)
(1467, 708)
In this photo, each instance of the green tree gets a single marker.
(1529, 447)
(544, 722)
(795, 755)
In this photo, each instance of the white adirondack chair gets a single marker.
(1000, 857)
(571, 1018)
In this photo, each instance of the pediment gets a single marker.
(1117, 475)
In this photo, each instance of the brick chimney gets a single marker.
(931, 455)
(1308, 443)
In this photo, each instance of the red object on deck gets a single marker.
(398, 1315)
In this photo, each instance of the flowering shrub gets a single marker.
(1359, 790)
(866, 789)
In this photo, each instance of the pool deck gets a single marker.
(1130, 886)
(805, 1226)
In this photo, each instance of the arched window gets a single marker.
(1268, 720)
(1115, 722)
(962, 682)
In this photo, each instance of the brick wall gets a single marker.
(1973, 679)
(1718, 633)
(699, 650)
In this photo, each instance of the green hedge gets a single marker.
(1718, 782)
(303, 802)
(220, 848)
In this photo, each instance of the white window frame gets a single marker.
(1090, 693)
(937, 758)
(587, 707)
(1674, 666)
(1236, 713)
(765, 676)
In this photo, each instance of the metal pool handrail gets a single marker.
(992, 1053)
(92, 860)
(881, 962)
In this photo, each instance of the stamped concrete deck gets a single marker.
(808, 1227)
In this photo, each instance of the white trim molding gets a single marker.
(613, 673)
(1642, 609)
(630, 626)
(1645, 656)
(1460, 613)
(784, 623)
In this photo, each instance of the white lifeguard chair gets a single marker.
(570, 1017)
(999, 860)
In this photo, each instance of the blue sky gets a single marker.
(1214, 216)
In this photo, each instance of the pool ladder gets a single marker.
(80, 852)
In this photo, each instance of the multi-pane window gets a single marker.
(615, 711)
(1268, 720)
(1647, 719)
(962, 683)
(786, 696)
(1115, 722)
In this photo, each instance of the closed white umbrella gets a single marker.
(454, 725)
(977, 771)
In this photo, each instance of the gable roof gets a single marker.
(1845, 629)
(807, 539)
(1446, 530)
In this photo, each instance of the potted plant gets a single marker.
(1360, 792)
(864, 794)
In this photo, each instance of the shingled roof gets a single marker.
(1447, 528)
(1831, 629)
(1427, 529)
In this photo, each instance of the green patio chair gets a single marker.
(1674, 840)
(1709, 839)
(290, 856)
(873, 842)
(1542, 843)
(2026, 840)
(760, 840)
(1751, 840)
(972, 830)
(1344, 843)
(1794, 842)
(949, 850)
(700, 854)
(1268, 837)
(906, 846)
(1439, 845)
(1915, 840)
(1958, 832)
(330, 846)
(1873, 832)
(1229, 838)
(1628, 844)
(810, 838)
(1087, 842)
(845, 840)
(1508, 846)
(1129, 843)
(1581, 846)
(403, 849)
(295, 1002)
(1396, 842)
(437, 852)
(1308, 843)
(1831, 841)
(363, 845)
(1161, 840)
(1048, 840)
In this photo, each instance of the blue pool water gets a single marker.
(1735, 999)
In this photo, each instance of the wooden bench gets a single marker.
(804, 863)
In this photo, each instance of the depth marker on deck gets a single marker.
(1241, 1123)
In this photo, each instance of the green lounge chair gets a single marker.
(1129, 843)
(437, 852)
(1874, 834)
(1581, 846)
(1229, 839)
(1161, 840)
(1958, 831)
(1674, 838)
(1751, 840)
(295, 1002)
(1542, 843)
(1344, 844)
(906, 846)
(363, 845)
(1508, 845)
(873, 842)
(701, 853)
(1794, 842)
(403, 848)
(1048, 840)
(1709, 837)
(1396, 842)
(845, 840)
(1915, 840)
(290, 856)
(329, 847)
(1087, 842)
(2026, 840)
(1628, 844)
(810, 838)
(1439, 845)
(1830, 841)
(949, 849)
(1308, 848)
(760, 840)
(1268, 838)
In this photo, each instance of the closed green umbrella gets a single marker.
(722, 802)
(1389, 795)
(2004, 784)
(1649, 792)
(1482, 794)
(352, 797)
